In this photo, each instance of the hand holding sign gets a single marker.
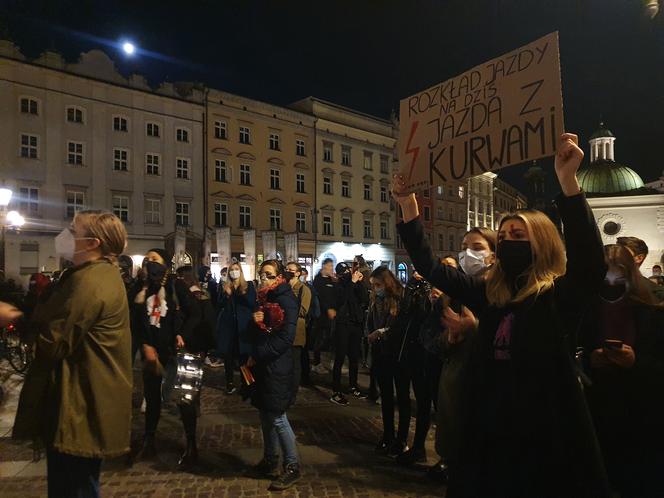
(568, 160)
(404, 198)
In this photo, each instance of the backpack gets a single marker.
(314, 306)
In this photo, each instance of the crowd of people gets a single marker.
(540, 360)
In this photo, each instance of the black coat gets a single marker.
(526, 427)
(352, 301)
(275, 389)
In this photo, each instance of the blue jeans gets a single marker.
(72, 476)
(278, 434)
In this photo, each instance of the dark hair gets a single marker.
(619, 255)
(304, 270)
(274, 263)
(634, 244)
(393, 288)
(327, 261)
(656, 266)
(296, 265)
(487, 234)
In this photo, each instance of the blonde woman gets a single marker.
(237, 302)
(77, 395)
(525, 427)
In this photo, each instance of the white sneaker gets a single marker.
(143, 406)
(319, 369)
(213, 363)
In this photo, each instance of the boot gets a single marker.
(286, 480)
(412, 456)
(190, 455)
(267, 467)
(148, 450)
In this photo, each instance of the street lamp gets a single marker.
(129, 48)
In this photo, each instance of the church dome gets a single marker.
(605, 177)
(602, 132)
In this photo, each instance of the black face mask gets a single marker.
(612, 292)
(289, 275)
(515, 256)
(156, 271)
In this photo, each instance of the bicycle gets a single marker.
(14, 350)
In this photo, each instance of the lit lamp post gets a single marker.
(11, 219)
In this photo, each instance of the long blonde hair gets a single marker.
(105, 227)
(240, 285)
(549, 261)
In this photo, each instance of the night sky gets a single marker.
(368, 54)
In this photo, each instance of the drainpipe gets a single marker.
(205, 171)
(314, 219)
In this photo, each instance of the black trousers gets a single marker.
(152, 393)
(392, 374)
(347, 342)
(72, 476)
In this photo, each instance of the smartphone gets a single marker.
(615, 344)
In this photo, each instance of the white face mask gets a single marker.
(224, 278)
(65, 244)
(234, 274)
(472, 262)
(303, 279)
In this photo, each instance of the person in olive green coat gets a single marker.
(303, 296)
(76, 399)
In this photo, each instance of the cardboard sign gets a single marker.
(504, 112)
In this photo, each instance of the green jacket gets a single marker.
(77, 394)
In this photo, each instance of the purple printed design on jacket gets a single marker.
(503, 340)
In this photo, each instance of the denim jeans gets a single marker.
(278, 434)
(72, 476)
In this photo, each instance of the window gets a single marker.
(245, 174)
(368, 157)
(121, 207)
(220, 214)
(368, 229)
(182, 214)
(120, 159)
(440, 192)
(426, 194)
(452, 242)
(383, 194)
(75, 202)
(345, 188)
(220, 130)
(182, 168)
(327, 185)
(152, 164)
(220, 171)
(384, 233)
(153, 211)
(345, 155)
(29, 146)
(439, 213)
(75, 115)
(120, 124)
(300, 222)
(427, 213)
(152, 130)
(29, 258)
(461, 192)
(245, 135)
(182, 135)
(384, 164)
(29, 201)
(245, 217)
(441, 242)
(275, 219)
(327, 152)
(29, 106)
(299, 183)
(299, 147)
(274, 141)
(367, 191)
(327, 225)
(275, 179)
(345, 227)
(75, 153)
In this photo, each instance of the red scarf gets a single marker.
(274, 314)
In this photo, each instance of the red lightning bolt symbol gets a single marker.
(415, 151)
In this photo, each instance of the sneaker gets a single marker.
(267, 467)
(357, 394)
(213, 362)
(398, 447)
(319, 369)
(230, 389)
(412, 456)
(339, 399)
(144, 406)
(286, 480)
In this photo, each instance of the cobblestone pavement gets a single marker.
(335, 444)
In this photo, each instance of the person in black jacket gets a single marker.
(526, 427)
(623, 339)
(352, 301)
(275, 322)
(163, 318)
(327, 289)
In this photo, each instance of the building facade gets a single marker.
(260, 175)
(506, 199)
(81, 136)
(354, 160)
(481, 200)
